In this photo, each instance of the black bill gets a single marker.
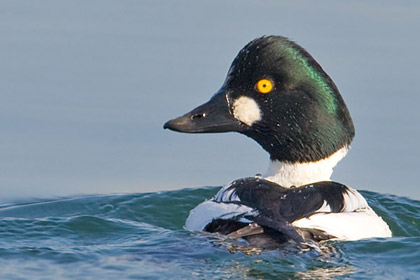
(213, 116)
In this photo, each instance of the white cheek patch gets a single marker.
(246, 110)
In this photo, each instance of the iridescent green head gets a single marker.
(277, 94)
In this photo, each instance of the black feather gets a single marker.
(277, 207)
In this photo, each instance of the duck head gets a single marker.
(278, 95)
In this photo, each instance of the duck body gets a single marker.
(319, 211)
(278, 95)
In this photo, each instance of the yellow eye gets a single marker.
(264, 86)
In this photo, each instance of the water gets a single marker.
(141, 236)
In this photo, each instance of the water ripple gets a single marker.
(142, 236)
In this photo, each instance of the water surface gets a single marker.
(141, 236)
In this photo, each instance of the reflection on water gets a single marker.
(325, 273)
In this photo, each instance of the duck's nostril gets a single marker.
(198, 116)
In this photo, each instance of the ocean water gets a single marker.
(141, 236)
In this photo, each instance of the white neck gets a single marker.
(288, 174)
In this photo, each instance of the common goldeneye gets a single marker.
(277, 94)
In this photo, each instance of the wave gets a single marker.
(142, 236)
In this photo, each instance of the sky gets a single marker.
(86, 87)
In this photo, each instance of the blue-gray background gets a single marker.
(85, 87)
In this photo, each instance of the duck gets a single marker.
(277, 94)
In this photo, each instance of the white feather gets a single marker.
(357, 221)
(349, 225)
(297, 174)
(246, 110)
(205, 212)
(354, 201)
(325, 207)
(227, 194)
